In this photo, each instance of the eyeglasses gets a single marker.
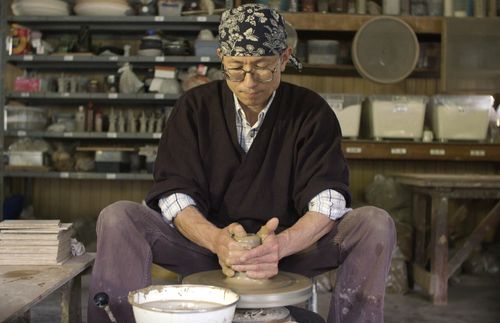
(259, 74)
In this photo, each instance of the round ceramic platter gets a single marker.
(281, 290)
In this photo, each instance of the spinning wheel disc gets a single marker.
(281, 290)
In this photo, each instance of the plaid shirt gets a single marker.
(329, 202)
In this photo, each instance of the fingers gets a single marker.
(226, 270)
(237, 230)
(258, 271)
(268, 228)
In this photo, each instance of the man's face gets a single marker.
(250, 92)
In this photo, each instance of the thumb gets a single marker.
(268, 228)
(237, 230)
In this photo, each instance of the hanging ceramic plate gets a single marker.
(385, 50)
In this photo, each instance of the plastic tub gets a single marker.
(347, 108)
(460, 117)
(24, 118)
(395, 116)
(170, 7)
(322, 51)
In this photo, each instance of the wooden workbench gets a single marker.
(22, 287)
(438, 189)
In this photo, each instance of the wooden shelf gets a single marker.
(348, 22)
(408, 150)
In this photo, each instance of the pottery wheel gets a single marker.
(262, 315)
(281, 290)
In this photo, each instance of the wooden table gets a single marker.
(439, 188)
(22, 287)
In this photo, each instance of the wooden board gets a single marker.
(29, 224)
(450, 180)
(23, 286)
(52, 230)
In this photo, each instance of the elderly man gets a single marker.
(239, 154)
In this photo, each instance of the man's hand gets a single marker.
(262, 261)
(227, 249)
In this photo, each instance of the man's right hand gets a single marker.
(228, 249)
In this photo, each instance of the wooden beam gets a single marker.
(439, 249)
(489, 223)
(423, 278)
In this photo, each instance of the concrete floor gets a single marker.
(475, 299)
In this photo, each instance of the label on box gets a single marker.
(111, 176)
(477, 152)
(398, 151)
(353, 150)
(437, 152)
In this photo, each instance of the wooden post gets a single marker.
(419, 213)
(71, 301)
(439, 249)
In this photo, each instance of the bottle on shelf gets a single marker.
(80, 119)
(89, 121)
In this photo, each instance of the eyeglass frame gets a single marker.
(273, 71)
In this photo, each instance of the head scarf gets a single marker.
(253, 30)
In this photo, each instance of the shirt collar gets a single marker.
(262, 114)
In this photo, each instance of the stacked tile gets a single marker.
(34, 242)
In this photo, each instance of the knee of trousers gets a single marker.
(379, 224)
(113, 216)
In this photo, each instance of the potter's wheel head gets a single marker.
(281, 290)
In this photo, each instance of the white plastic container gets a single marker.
(170, 7)
(460, 117)
(396, 116)
(27, 158)
(347, 108)
(322, 51)
(183, 304)
(24, 118)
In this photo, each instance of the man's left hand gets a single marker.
(262, 261)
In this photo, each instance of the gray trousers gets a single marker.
(130, 237)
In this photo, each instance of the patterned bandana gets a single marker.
(253, 30)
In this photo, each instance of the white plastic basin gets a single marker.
(396, 116)
(460, 117)
(183, 304)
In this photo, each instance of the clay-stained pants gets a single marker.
(130, 237)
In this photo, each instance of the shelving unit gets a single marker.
(325, 25)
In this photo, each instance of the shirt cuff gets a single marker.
(171, 205)
(329, 203)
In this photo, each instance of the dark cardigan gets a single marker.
(295, 155)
